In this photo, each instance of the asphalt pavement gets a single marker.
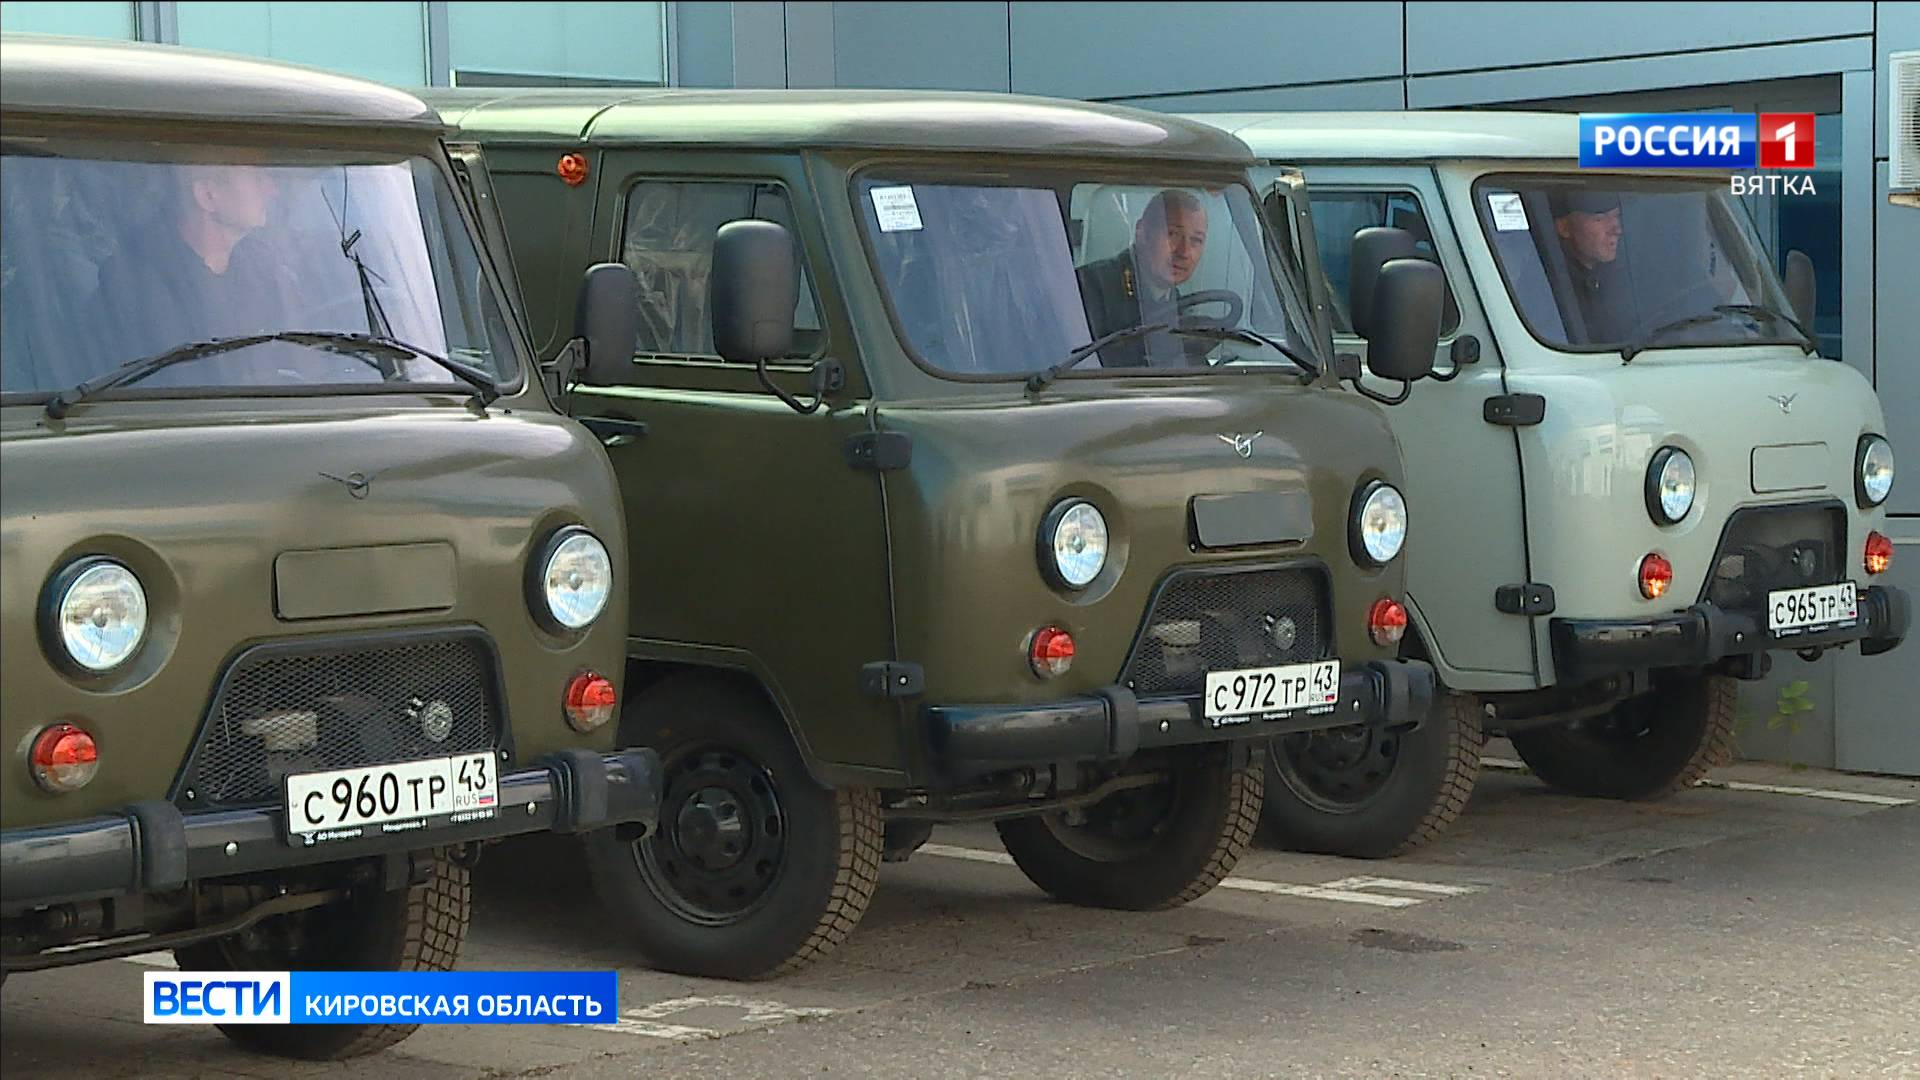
(1768, 925)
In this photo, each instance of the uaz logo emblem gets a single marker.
(1785, 401)
(1242, 444)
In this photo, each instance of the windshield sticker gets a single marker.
(895, 208)
(1509, 215)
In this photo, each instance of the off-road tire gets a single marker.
(418, 928)
(1685, 725)
(1433, 773)
(831, 857)
(1216, 812)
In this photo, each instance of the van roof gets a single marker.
(1414, 135)
(82, 77)
(830, 119)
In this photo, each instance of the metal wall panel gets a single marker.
(1370, 94)
(1470, 36)
(929, 46)
(1114, 51)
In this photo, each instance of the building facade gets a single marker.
(1828, 59)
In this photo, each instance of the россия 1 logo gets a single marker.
(1705, 141)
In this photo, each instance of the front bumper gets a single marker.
(152, 847)
(1704, 634)
(973, 741)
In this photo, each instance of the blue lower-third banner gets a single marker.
(381, 997)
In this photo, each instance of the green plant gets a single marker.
(1793, 699)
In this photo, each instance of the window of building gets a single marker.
(385, 42)
(557, 44)
(98, 20)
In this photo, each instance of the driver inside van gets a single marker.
(1588, 225)
(1142, 284)
(192, 275)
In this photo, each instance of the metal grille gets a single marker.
(282, 711)
(1219, 622)
(1768, 548)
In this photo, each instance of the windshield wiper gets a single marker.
(1752, 311)
(1038, 380)
(350, 344)
(1255, 337)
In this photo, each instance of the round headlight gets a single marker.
(577, 579)
(102, 615)
(1379, 523)
(1075, 534)
(1875, 473)
(1669, 485)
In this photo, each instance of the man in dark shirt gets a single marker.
(1142, 284)
(194, 276)
(1588, 224)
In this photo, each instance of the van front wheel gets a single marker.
(755, 870)
(1645, 747)
(415, 928)
(1146, 848)
(1365, 793)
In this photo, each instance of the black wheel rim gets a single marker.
(1122, 827)
(722, 839)
(1339, 770)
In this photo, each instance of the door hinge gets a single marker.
(1515, 410)
(613, 431)
(879, 451)
(1527, 599)
(891, 679)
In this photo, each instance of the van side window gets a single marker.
(1337, 215)
(670, 225)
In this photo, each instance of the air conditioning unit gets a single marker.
(1903, 136)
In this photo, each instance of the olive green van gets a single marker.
(306, 590)
(987, 468)
(1636, 480)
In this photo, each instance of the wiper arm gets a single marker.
(352, 344)
(1242, 333)
(1038, 380)
(1762, 311)
(1645, 341)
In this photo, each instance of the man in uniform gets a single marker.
(1142, 284)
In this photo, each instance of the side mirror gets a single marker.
(1407, 295)
(1372, 249)
(606, 320)
(1800, 287)
(754, 287)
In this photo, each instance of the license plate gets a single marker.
(345, 804)
(1274, 693)
(1800, 611)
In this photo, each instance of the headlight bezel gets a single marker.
(539, 600)
(53, 615)
(1363, 497)
(1654, 487)
(1861, 494)
(1050, 558)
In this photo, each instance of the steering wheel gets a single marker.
(1227, 321)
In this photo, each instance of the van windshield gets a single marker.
(111, 252)
(1615, 264)
(1007, 276)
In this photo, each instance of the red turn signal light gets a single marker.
(1656, 573)
(1387, 621)
(591, 701)
(1051, 652)
(63, 758)
(1879, 553)
(572, 169)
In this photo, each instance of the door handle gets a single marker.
(613, 431)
